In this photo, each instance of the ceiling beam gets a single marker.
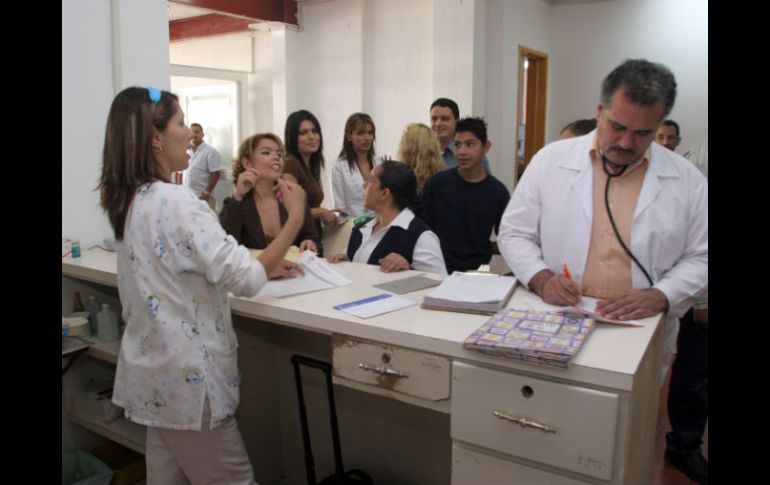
(284, 11)
(205, 25)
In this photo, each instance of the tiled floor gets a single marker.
(662, 472)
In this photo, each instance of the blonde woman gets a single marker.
(254, 215)
(420, 151)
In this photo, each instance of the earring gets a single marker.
(158, 148)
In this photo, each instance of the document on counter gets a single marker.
(318, 276)
(586, 306)
(375, 305)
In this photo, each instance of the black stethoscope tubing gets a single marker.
(610, 176)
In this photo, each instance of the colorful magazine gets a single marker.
(540, 336)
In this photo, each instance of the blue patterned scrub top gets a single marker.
(175, 267)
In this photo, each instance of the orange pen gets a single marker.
(565, 270)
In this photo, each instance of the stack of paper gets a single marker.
(472, 293)
(548, 338)
(318, 276)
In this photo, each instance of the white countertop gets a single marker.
(609, 358)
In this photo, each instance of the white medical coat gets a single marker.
(549, 218)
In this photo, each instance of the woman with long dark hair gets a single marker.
(305, 162)
(177, 371)
(356, 160)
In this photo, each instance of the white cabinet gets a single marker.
(560, 425)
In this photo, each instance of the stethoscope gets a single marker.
(606, 162)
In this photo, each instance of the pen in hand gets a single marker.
(568, 275)
(565, 270)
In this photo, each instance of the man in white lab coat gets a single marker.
(559, 212)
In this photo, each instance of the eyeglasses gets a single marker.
(154, 94)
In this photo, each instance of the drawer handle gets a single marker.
(383, 370)
(524, 422)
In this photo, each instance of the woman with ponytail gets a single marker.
(395, 239)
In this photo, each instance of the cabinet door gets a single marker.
(581, 423)
(470, 467)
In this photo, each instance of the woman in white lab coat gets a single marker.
(356, 160)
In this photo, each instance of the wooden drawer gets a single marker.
(392, 368)
(469, 467)
(582, 421)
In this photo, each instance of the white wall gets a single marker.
(591, 39)
(106, 46)
(229, 51)
(398, 68)
(87, 91)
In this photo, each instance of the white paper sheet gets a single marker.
(586, 306)
(318, 276)
(375, 305)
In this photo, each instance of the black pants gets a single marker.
(688, 405)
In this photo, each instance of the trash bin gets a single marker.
(80, 467)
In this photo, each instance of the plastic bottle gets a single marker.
(92, 307)
(77, 305)
(107, 324)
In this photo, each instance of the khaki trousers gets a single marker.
(206, 457)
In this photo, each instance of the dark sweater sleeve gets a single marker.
(426, 204)
(232, 218)
(310, 231)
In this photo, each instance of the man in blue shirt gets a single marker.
(444, 114)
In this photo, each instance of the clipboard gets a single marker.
(408, 284)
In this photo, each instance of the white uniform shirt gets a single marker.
(203, 162)
(427, 254)
(175, 266)
(549, 218)
(348, 188)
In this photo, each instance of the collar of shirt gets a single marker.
(402, 220)
(593, 152)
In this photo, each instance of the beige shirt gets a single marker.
(608, 266)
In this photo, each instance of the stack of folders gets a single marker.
(543, 337)
(471, 293)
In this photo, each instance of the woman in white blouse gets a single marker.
(356, 160)
(396, 239)
(177, 371)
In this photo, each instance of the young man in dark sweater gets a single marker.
(464, 204)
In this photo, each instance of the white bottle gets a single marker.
(107, 324)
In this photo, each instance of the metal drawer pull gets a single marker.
(383, 370)
(524, 422)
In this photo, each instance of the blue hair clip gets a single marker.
(154, 94)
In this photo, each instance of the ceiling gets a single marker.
(190, 19)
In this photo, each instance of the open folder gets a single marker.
(471, 293)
